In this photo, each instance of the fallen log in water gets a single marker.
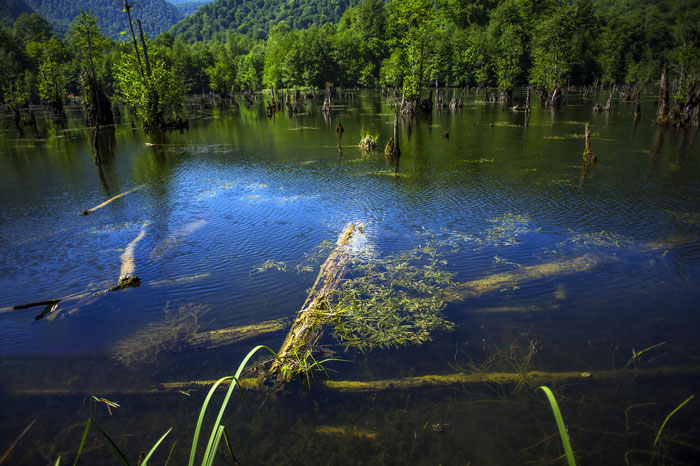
(97, 207)
(126, 279)
(532, 378)
(126, 273)
(308, 325)
(498, 281)
(229, 336)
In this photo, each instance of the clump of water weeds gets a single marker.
(368, 142)
(392, 302)
(170, 334)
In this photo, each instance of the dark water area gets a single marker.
(505, 191)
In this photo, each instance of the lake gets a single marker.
(226, 224)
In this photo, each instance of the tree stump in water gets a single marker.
(662, 112)
(588, 155)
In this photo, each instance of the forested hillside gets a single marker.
(157, 15)
(549, 45)
(188, 7)
(11, 9)
(257, 17)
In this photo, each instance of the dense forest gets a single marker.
(188, 7)
(409, 44)
(157, 15)
(257, 17)
(11, 9)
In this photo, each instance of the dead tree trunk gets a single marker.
(662, 112)
(308, 325)
(637, 106)
(392, 147)
(588, 155)
(527, 100)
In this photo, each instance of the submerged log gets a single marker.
(407, 383)
(308, 325)
(229, 336)
(532, 378)
(495, 282)
(112, 199)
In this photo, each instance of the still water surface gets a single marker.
(238, 189)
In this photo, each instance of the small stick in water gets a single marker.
(89, 211)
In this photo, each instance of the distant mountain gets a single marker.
(187, 7)
(11, 9)
(156, 15)
(256, 17)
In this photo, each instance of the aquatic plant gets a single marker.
(218, 431)
(172, 333)
(270, 264)
(392, 302)
(677, 408)
(560, 425)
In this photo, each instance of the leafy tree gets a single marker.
(51, 57)
(411, 26)
(90, 45)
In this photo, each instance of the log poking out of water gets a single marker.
(498, 281)
(308, 325)
(97, 207)
(127, 278)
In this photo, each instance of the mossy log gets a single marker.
(112, 199)
(229, 336)
(257, 383)
(308, 325)
(532, 378)
(498, 281)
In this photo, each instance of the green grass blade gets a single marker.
(209, 459)
(658, 434)
(198, 427)
(171, 453)
(228, 447)
(82, 440)
(200, 420)
(153, 449)
(560, 425)
(58, 462)
(211, 448)
(114, 445)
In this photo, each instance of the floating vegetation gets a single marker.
(172, 333)
(314, 258)
(392, 302)
(601, 239)
(270, 264)
(506, 125)
(508, 227)
(463, 162)
(691, 218)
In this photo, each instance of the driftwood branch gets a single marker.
(112, 199)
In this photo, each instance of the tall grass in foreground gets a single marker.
(560, 425)
(218, 430)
